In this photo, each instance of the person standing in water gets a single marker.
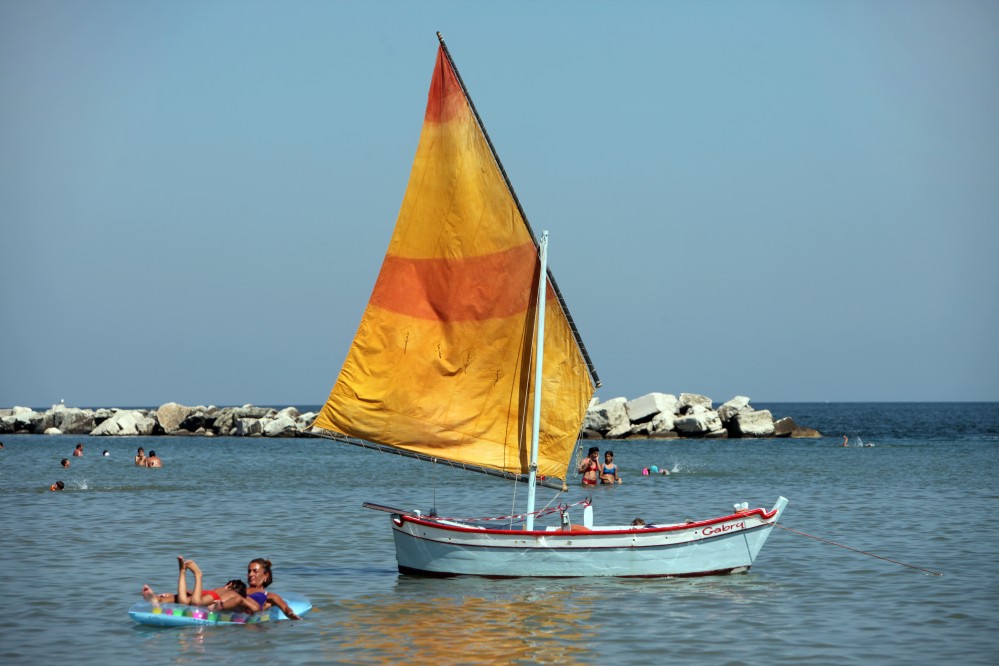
(590, 468)
(609, 472)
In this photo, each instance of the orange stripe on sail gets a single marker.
(458, 289)
(446, 100)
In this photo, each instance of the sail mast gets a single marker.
(539, 348)
(523, 215)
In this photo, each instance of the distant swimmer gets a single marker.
(846, 441)
(78, 451)
(153, 460)
(58, 485)
(65, 462)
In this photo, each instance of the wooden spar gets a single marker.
(523, 215)
(558, 484)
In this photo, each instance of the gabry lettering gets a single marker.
(718, 529)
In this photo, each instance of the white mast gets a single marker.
(532, 479)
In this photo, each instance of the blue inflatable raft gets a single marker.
(180, 615)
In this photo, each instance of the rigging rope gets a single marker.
(519, 516)
(862, 552)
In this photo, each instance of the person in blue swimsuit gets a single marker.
(609, 472)
(258, 577)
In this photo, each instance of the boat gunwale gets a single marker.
(767, 518)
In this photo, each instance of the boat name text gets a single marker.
(718, 529)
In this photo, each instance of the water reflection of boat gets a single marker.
(420, 626)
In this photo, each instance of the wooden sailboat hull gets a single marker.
(723, 545)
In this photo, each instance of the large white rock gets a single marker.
(24, 418)
(124, 423)
(739, 403)
(644, 408)
(53, 431)
(290, 412)
(754, 424)
(606, 416)
(282, 425)
(246, 427)
(305, 420)
(622, 429)
(698, 421)
(694, 400)
(171, 415)
(661, 423)
(74, 421)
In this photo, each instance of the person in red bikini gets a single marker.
(231, 596)
(591, 468)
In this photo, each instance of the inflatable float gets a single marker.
(181, 615)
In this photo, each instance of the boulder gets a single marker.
(739, 403)
(125, 423)
(693, 400)
(23, 419)
(645, 408)
(171, 415)
(247, 427)
(75, 421)
(43, 422)
(619, 431)
(661, 424)
(198, 420)
(784, 427)
(290, 412)
(304, 421)
(251, 412)
(225, 420)
(805, 433)
(52, 431)
(698, 421)
(607, 416)
(282, 426)
(752, 424)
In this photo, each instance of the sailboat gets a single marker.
(466, 354)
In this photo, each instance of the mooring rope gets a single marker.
(862, 552)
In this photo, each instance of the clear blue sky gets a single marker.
(794, 201)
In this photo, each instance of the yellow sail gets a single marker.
(442, 361)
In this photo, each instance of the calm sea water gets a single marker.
(924, 495)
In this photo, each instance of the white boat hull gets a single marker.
(727, 544)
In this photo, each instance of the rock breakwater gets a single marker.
(652, 416)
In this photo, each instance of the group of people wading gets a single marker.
(595, 472)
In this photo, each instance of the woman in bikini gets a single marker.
(590, 467)
(231, 596)
(609, 473)
(258, 577)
